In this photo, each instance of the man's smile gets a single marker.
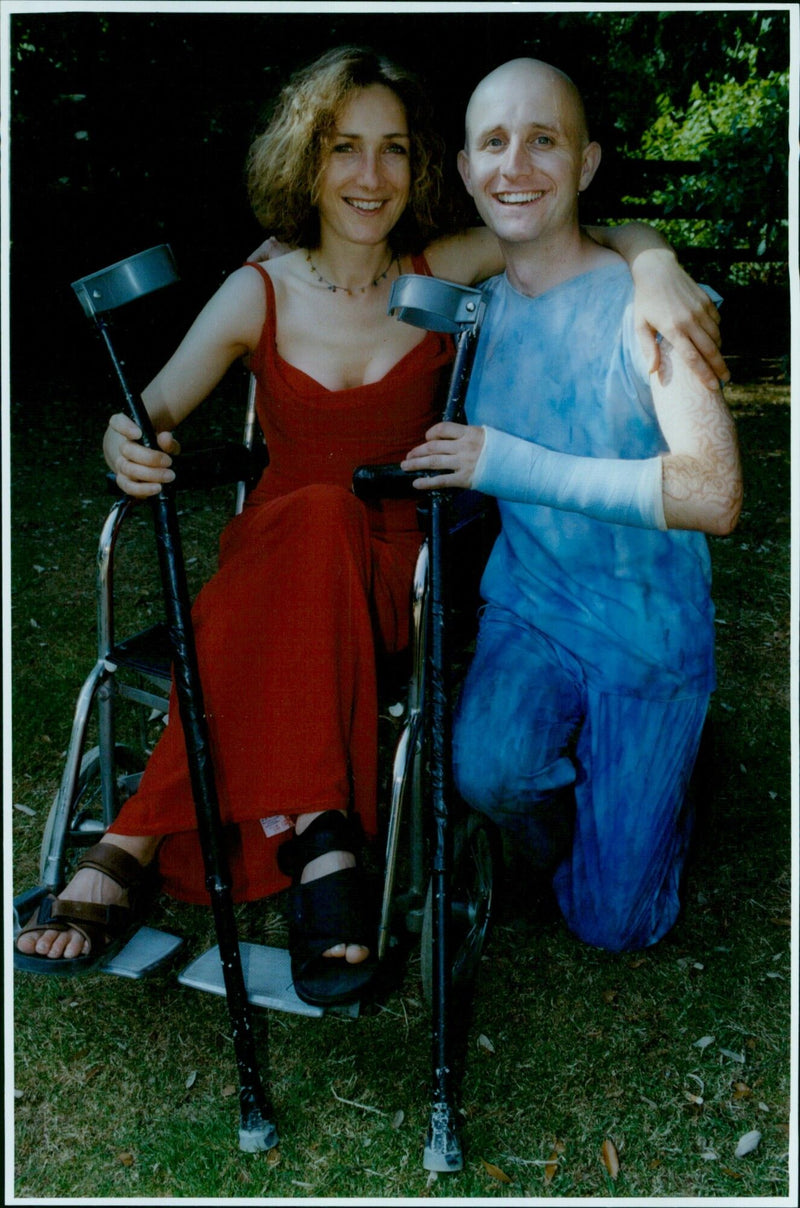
(517, 199)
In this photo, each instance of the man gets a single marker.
(581, 715)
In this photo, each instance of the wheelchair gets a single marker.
(133, 673)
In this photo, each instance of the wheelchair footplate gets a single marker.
(145, 952)
(267, 977)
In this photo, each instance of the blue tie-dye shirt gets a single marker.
(565, 369)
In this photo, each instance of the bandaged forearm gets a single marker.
(616, 490)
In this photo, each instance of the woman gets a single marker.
(311, 581)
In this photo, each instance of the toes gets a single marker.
(354, 954)
(57, 945)
(65, 945)
(48, 940)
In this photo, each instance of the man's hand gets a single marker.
(452, 448)
(270, 249)
(667, 300)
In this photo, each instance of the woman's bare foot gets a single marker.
(332, 861)
(88, 885)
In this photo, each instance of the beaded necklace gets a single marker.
(359, 289)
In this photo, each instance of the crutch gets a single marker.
(99, 293)
(441, 306)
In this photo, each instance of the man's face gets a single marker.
(527, 155)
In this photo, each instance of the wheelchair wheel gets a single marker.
(85, 824)
(474, 884)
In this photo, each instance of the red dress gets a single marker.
(311, 581)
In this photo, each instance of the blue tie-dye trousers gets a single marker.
(593, 786)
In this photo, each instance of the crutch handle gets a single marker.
(126, 280)
(436, 305)
(387, 482)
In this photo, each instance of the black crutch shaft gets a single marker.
(256, 1132)
(443, 1147)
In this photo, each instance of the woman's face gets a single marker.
(366, 171)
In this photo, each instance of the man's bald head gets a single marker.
(510, 75)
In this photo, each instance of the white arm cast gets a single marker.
(615, 490)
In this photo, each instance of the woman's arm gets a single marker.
(227, 328)
(667, 300)
(468, 257)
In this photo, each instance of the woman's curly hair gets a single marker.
(286, 160)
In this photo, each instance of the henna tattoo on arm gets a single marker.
(702, 483)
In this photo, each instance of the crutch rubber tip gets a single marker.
(442, 1148)
(258, 1138)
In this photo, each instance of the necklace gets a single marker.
(359, 289)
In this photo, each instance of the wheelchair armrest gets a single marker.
(216, 465)
(387, 482)
(212, 466)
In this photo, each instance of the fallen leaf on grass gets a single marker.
(703, 1042)
(126, 1158)
(552, 1162)
(692, 1098)
(485, 1043)
(495, 1172)
(611, 1158)
(398, 1118)
(741, 1091)
(190, 1081)
(228, 1090)
(733, 1056)
(748, 1143)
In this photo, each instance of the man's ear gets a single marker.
(463, 168)
(591, 162)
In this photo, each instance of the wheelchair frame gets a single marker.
(147, 657)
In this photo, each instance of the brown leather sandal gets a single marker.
(105, 927)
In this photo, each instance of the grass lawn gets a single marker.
(128, 1090)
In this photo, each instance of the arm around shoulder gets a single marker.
(467, 257)
(667, 300)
